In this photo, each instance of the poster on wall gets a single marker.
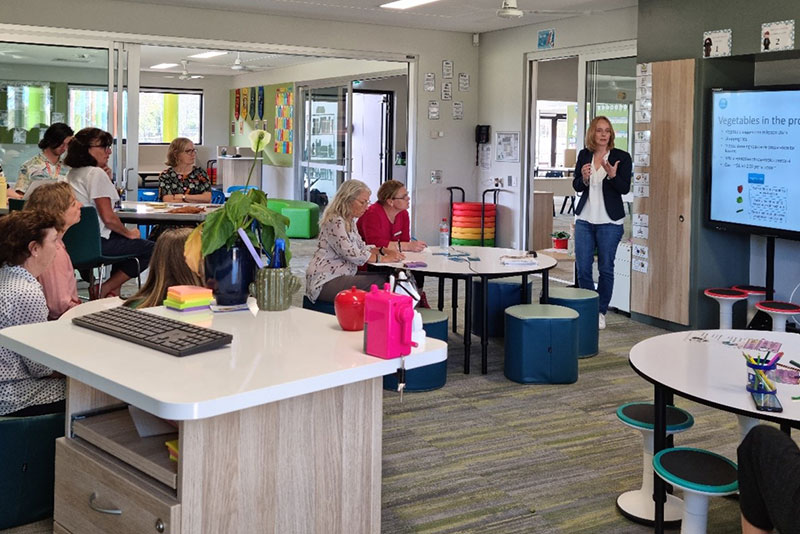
(261, 103)
(546, 39)
(252, 109)
(717, 43)
(486, 156)
(463, 81)
(447, 69)
(284, 121)
(458, 110)
(433, 110)
(447, 91)
(245, 103)
(429, 85)
(506, 147)
(777, 36)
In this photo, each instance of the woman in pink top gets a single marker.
(58, 281)
(386, 223)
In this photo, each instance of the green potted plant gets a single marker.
(560, 240)
(229, 267)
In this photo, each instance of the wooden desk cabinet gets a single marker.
(280, 431)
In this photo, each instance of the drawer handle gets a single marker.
(109, 511)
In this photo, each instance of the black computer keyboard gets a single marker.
(153, 331)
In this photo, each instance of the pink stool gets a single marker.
(755, 294)
(778, 311)
(726, 298)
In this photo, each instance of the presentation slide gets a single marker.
(755, 171)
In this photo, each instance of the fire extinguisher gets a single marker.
(211, 170)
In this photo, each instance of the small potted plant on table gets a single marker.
(229, 266)
(560, 240)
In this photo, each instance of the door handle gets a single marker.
(125, 181)
(109, 511)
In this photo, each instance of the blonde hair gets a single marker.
(52, 198)
(167, 268)
(387, 190)
(590, 144)
(340, 205)
(177, 146)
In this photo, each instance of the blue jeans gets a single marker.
(604, 237)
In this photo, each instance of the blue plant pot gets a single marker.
(229, 273)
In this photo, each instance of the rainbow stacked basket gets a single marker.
(467, 224)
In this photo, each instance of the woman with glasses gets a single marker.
(87, 156)
(182, 181)
(341, 251)
(386, 224)
(48, 164)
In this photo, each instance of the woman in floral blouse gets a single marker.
(341, 251)
(182, 181)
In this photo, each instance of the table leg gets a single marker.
(467, 321)
(659, 443)
(484, 325)
(545, 287)
(525, 297)
(441, 293)
(455, 304)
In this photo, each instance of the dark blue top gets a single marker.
(613, 188)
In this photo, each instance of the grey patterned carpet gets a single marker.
(487, 455)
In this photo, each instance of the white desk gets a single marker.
(710, 373)
(489, 266)
(280, 431)
(158, 212)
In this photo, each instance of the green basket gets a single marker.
(473, 242)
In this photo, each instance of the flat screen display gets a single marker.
(755, 161)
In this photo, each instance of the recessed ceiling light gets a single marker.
(206, 55)
(406, 4)
(164, 66)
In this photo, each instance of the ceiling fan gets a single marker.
(185, 72)
(509, 10)
(237, 64)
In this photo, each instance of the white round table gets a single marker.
(456, 264)
(707, 366)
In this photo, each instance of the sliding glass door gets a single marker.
(325, 138)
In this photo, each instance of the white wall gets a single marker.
(502, 82)
(453, 153)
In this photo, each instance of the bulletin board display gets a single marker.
(264, 107)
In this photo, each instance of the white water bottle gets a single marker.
(444, 235)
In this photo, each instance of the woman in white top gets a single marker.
(88, 154)
(341, 251)
(602, 175)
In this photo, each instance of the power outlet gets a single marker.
(498, 182)
(436, 177)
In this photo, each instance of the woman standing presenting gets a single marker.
(602, 175)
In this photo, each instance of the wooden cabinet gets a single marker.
(663, 291)
(542, 225)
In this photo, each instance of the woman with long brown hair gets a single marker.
(167, 268)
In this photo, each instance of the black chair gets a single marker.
(83, 245)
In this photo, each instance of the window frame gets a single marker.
(172, 90)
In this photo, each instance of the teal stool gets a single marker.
(27, 469)
(637, 505)
(319, 306)
(541, 344)
(700, 474)
(587, 303)
(428, 377)
(503, 292)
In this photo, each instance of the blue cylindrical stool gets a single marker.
(587, 303)
(541, 344)
(428, 377)
(320, 306)
(503, 292)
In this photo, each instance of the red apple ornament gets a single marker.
(349, 307)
